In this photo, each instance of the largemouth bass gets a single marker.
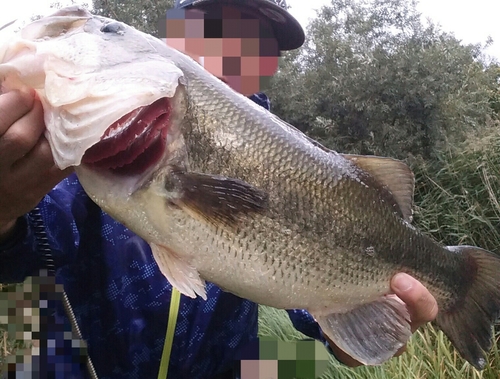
(224, 191)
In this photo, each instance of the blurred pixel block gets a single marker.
(45, 346)
(307, 359)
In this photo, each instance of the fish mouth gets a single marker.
(133, 143)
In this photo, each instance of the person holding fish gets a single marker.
(119, 293)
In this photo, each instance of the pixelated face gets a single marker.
(235, 46)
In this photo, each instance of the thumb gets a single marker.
(421, 304)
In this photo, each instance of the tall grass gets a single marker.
(457, 197)
(457, 201)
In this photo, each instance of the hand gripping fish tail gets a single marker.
(228, 193)
(467, 320)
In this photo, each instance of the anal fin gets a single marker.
(371, 333)
(178, 272)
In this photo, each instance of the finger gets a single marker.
(57, 174)
(39, 166)
(23, 135)
(421, 304)
(6, 230)
(38, 159)
(401, 351)
(13, 105)
(54, 175)
(341, 355)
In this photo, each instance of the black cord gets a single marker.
(44, 248)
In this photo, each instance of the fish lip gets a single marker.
(133, 143)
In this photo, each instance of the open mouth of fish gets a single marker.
(134, 142)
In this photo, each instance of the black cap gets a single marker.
(287, 29)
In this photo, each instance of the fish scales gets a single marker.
(286, 172)
(224, 191)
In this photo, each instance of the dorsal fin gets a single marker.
(394, 175)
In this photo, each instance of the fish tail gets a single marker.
(469, 322)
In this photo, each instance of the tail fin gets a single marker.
(469, 324)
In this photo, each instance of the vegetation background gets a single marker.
(374, 78)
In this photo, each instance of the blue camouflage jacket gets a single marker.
(120, 298)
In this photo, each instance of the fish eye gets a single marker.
(112, 27)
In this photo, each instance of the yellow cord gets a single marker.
(169, 338)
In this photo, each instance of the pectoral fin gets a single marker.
(178, 272)
(216, 199)
(371, 333)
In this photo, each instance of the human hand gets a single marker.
(27, 169)
(421, 305)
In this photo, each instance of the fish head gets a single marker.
(109, 92)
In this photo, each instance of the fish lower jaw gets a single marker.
(133, 143)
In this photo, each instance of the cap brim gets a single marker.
(288, 31)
